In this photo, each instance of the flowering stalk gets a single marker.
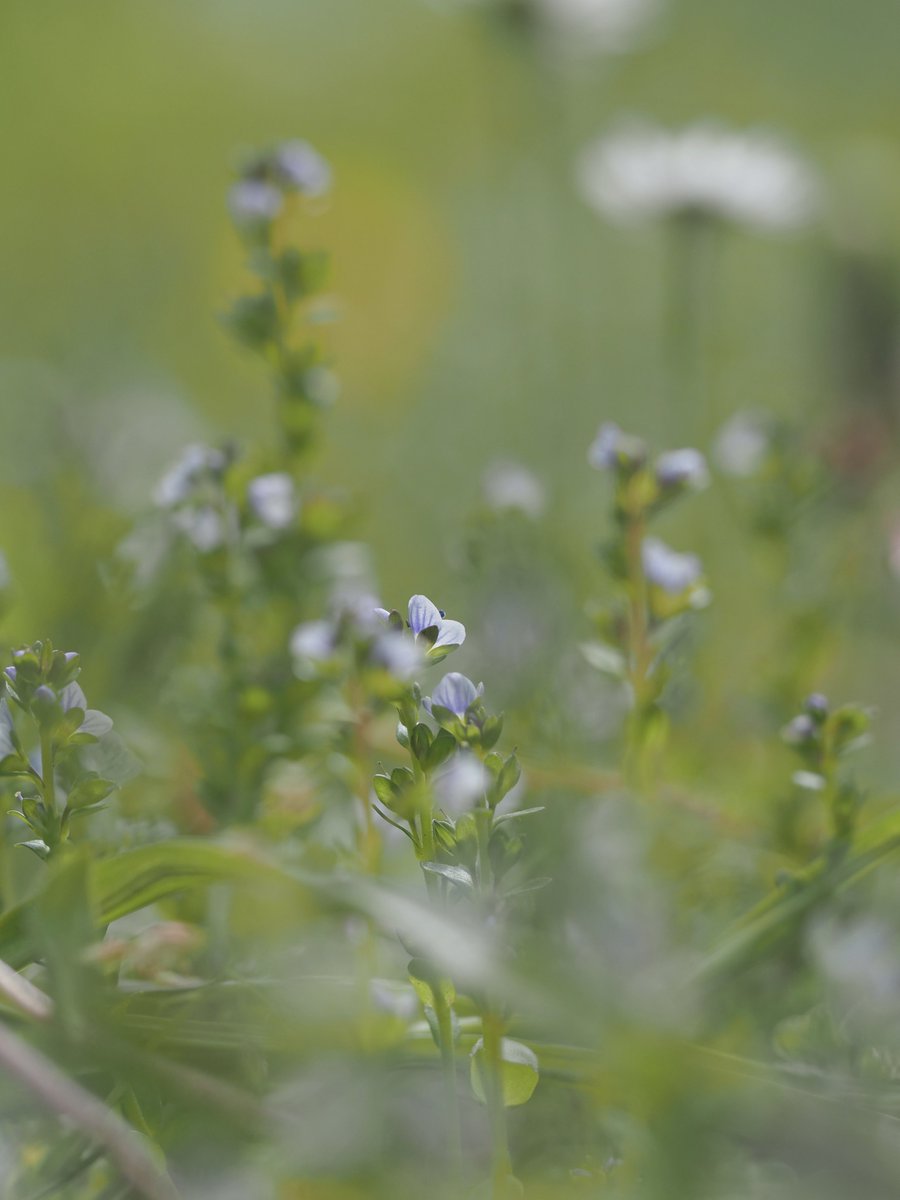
(41, 683)
(823, 737)
(257, 542)
(448, 798)
(658, 585)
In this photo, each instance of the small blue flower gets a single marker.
(253, 202)
(612, 448)
(682, 468)
(455, 692)
(302, 169)
(423, 615)
(668, 569)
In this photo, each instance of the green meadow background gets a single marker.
(483, 312)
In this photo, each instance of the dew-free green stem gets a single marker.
(501, 1163)
(448, 1071)
(640, 654)
(492, 1037)
(48, 776)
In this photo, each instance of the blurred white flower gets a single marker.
(509, 485)
(312, 643)
(397, 654)
(612, 448)
(273, 499)
(742, 444)
(577, 26)
(461, 783)
(610, 26)
(176, 485)
(669, 569)
(302, 169)
(203, 525)
(254, 202)
(641, 172)
(861, 956)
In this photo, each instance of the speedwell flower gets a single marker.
(429, 627)
(456, 692)
(669, 569)
(612, 448)
(683, 469)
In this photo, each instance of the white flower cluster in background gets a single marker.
(607, 26)
(641, 172)
(577, 26)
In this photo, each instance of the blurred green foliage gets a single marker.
(710, 980)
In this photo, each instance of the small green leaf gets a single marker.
(457, 875)
(89, 792)
(490, 731)
(519, 1071)
(37, 846)
(428, 982)
(421, 738)
(440, 750)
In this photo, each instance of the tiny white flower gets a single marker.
(203, 525)
(312, 644)
(195, 461)
(273, 499)
(509, 485)
(742, 444)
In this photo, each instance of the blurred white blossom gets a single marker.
(509, 485)
(301, 168)
(742, 444)
(609, 26)
(194, 462)
(203, 525)
(273, 499)
(641, 172)
(461, 783)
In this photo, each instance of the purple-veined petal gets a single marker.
(423, 614)
(455, 692)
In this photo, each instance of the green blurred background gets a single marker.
(484, 310)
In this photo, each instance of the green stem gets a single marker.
(501, 1163)
(448, 1071)
(492, 1026)
(640, 653)
(48, 781)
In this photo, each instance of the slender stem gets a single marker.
(48, 783)
(492, 1026)
(369, 837)
(448, 1070)
(640, 654)
(501, 1163)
